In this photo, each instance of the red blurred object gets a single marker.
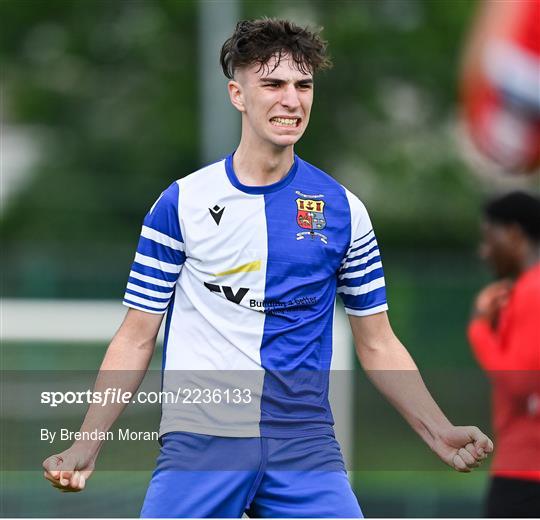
(501, 84)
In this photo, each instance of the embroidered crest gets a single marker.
(310, 216)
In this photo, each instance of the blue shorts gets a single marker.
(203, 476)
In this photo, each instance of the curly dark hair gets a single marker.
(520, 208)
(257, 41)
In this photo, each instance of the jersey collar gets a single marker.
(259, 190)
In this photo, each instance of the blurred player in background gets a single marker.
(246, 256)
(501, 84)
(505, 336)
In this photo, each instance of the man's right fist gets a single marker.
(490, 300)
(69, 470)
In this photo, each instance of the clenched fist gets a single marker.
(463, 447)
(69, 470)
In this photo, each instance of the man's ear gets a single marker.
(236, 96)
(516, 234)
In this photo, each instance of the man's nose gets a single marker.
(484, 251)
(289, 97)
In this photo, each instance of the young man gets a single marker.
(246, 256)
(505, 336)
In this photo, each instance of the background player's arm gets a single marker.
(391, 369)
(513, 365)
(124, 366)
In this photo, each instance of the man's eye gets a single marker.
(270, 84)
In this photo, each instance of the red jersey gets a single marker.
(510, 354)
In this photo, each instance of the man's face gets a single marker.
(499, 249)
(275, 103)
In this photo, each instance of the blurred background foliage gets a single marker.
(101, 112)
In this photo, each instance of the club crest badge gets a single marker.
(310, 216)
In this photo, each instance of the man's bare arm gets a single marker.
(392, 370)
(124, 366)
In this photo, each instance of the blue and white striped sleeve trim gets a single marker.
(361, 283)
(159, 257)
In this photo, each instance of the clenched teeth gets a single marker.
(284, 121)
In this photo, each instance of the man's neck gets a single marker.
(262, 166)
(530, 258)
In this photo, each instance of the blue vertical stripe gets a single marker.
(296, 348)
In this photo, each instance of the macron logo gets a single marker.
(216, 213)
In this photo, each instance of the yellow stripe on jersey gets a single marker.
(244, 268)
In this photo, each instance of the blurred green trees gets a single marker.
(105, 94)
(109, 92)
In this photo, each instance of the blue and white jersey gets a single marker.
(248, 277)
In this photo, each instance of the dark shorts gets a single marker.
(513, 498)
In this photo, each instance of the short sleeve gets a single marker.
(159, 257)
(360, 281)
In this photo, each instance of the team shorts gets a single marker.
(513, 498)
(204, 476)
